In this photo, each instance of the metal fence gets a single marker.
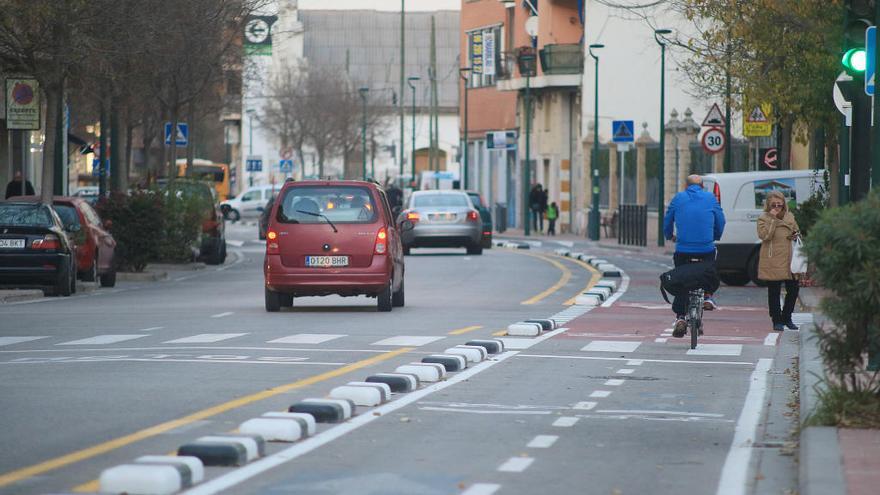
(632, 225)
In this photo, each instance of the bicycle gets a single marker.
(694, 317)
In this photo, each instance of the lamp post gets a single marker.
(661, 173)
(594, 155)
(363, 92)
(250, 113)
(412, 164)
(465, 73)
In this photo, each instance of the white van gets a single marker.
(741, 195)
(250, 203)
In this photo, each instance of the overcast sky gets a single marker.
(411, 5)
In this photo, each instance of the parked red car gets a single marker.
(333, 237)
(95, 247)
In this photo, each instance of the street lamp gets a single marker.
(409, 81)
(465, 73)
(363, 92)
(661, 174)
(250, 113)
(594, 160)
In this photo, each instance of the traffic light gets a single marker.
(859, 14)
(855, 61)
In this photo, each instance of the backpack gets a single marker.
(688, 277)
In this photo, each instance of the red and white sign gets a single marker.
(286, 153)
(713, 140)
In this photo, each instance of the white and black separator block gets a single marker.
(576, 255)
(605, 291)
(595, 262)
(191, 468)
(593, 292)
(562, 252)
(492, 346)
(612, 272)
(216, 451)
(587, 300)
(255, 445)
(274, 429)
(426, 372)
(306, 421)
(586, 258)
(546, 324)
(383, 388)
(450, 362)
(325, 410)
(523, 329)
(399, 382)
(611, 284)
(473, 354)
(360, 396)
(145, 479)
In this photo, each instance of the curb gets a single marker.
(820, 466)
(176, 267)
(20, 295)
(141, 276)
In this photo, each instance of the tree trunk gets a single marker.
(103, 153)
(118, 182)
(126, 160)
(172, 162)
(53, 100)
(190, 149)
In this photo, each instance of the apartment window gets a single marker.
(484, 55)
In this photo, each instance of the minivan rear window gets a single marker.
(423, 200)
(317, 204)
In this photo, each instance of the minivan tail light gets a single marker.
(381, 241)
(412, 216)
(271, 242)
(473, 216)
(49, 241)
(717, 192)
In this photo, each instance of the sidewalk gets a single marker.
(586, 243)
(832, 460)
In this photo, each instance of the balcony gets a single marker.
(506, 66)
(562, 59)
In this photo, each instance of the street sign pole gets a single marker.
(872, 43)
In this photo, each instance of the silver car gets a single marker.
(442, 219)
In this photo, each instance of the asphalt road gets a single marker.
(611, 404)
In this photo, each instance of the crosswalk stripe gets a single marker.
(205, 338)
(611, 346)
(102, 340)
(716, 350)
(17, 340)
(306, 338)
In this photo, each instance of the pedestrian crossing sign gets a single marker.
(622, 131)
(757, 120)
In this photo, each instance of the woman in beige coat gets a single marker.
(776, 229)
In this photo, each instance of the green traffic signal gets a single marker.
(855, 61)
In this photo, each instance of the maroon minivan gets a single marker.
(333, 237)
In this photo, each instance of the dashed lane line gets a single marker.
(625, 371)
(771, 339)
(600, 394)
(482, 489)
(222, 315)
(543, 441)
(516, 464)
(614, 382)
(584, 406)
(205, 338)
(460, 331)
(565, 422)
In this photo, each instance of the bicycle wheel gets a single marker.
(694, 329)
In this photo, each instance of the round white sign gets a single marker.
(713, 140)
(256, 31)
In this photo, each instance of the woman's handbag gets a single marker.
(798, 260)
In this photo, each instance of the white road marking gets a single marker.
(212, 348)
(631, 363)
(734, 475)
(205, 338)
(802, 318)
(584, 406)
(516, 464)
(625, 371)
(479, 411)
(634, 362)
(661, 340)
(150, 329)
(516, 344)
(565, 421)
(102, 340)
(599, 394)
(408, 340)
(481, 489)
(543, 441)
(18, 340)
(306, 338)
(221, 315)
(771, 339)
(716, 350)
(665, 413)
(611, 346)
(234, 243)
(232, 478)
(179, 279)
(614, 382)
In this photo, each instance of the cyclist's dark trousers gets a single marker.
(791, 294)
(679, 304)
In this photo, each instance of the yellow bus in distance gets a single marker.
(216, 173)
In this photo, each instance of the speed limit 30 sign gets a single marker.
(713, 140)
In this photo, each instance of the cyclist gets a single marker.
(698, 222)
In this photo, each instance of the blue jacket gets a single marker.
(698, 220)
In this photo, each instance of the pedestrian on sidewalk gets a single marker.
(552, 215)
(694, 220)
(18, 186)
(777, 229)
(537, 204)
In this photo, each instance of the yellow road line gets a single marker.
(566, 276)
(465, 329)
(594, 279)
(102, 448)
(499, 333)
(90, 487)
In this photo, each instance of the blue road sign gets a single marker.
(182, 133)
(871, 55)
(96, 167)
(254, 164)
(623, 131)
(286, 166)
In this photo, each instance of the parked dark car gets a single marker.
(212, 244)
(485, 216)
(95, 246)
(263, 224)
(35, 249)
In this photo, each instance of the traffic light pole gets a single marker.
(527, 167)
(875, 130)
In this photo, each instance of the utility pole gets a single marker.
(363, 93)
(527, 166)
(432, 117)
(661, 173)
(594, 160)
(102, 149)
(465, 77)
(402, 69)
(728, 148)
(413, 151)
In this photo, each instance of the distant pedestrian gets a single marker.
(552, 215)
(14, 188)
(395, 197)
(777, 228)
(537, 204)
